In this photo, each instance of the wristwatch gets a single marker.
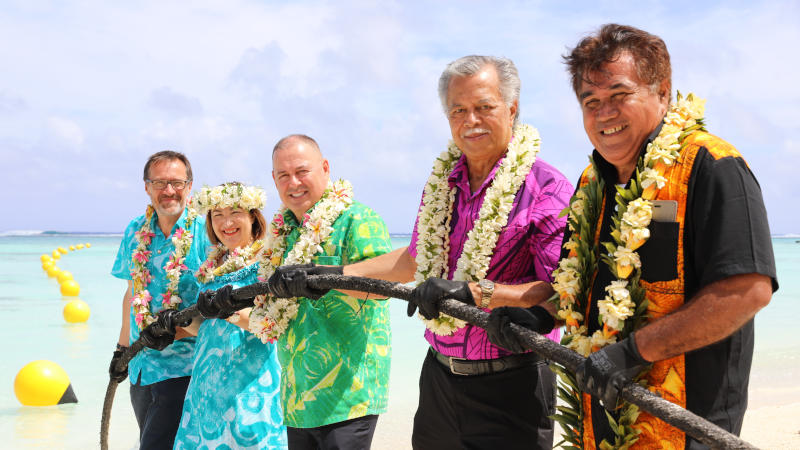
(487, 289)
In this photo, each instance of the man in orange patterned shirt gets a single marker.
(706, 269)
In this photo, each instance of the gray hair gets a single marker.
(167, 155)
(472, 64)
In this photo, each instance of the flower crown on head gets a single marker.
(229, 195)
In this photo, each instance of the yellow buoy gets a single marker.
(79, 246)
(70, 288)
(49, 263)
(76, 311)
(53, 271)
(45, 258)
(64, 276)
(72, 248)
(88, 245)
(56, 255)
(62, 250)
(43, 383)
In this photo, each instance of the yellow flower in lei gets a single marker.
(141, 277)
(271, 316)
(433, 225)
(623, 309)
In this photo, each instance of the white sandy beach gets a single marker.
(771, 422)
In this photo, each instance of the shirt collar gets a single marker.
(459, 176)
(180, 223)
(289, 218)
(608, 171)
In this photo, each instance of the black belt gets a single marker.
(459, 366)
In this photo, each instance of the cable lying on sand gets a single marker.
(699, 428)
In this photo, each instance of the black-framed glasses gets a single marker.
(178, 185)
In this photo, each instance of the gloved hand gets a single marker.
(117, 375)
(161, 333)
(500, 333)
(217, 304)
(430, 292)
(606, 370)
(292, 281)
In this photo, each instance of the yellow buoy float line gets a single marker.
(76, 311)
(64, 276)
(70, 288)
(43, 383)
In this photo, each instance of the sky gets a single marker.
(88, 90)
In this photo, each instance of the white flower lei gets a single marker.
(271, 316)
(141, 277)
(623, 310)
(433, 225)
(229, 195)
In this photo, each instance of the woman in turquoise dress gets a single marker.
(233, 399)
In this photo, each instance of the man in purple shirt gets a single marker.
(474, 394)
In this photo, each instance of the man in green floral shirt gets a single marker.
(335, 354)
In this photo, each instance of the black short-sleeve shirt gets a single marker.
(725, 233)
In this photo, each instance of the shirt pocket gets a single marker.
(324, 260)
(659, 255)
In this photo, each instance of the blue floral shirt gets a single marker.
(176, 360)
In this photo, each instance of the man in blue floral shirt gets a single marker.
(156, 273)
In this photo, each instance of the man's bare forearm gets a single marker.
(713, 314)
(397, 266)
(520, 295)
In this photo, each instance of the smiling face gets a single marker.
(232, 226)
(620, 111)
(301, 175)
(168, 202)
(480, 120)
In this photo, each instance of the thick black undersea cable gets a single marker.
(692, 424)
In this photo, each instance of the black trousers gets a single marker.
(506, 410)
(158, 409)
(353, 434)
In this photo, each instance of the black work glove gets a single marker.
(217, 304)
(292, 281)
(161, 333)
(500, 333)
(117, 375)
(430, 292)
(606, 370)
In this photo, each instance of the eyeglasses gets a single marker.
(178, 185)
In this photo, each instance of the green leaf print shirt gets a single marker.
(336, 353)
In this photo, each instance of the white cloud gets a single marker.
(65, 131)
(175, 103)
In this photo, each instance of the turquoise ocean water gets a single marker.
(33, 328)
